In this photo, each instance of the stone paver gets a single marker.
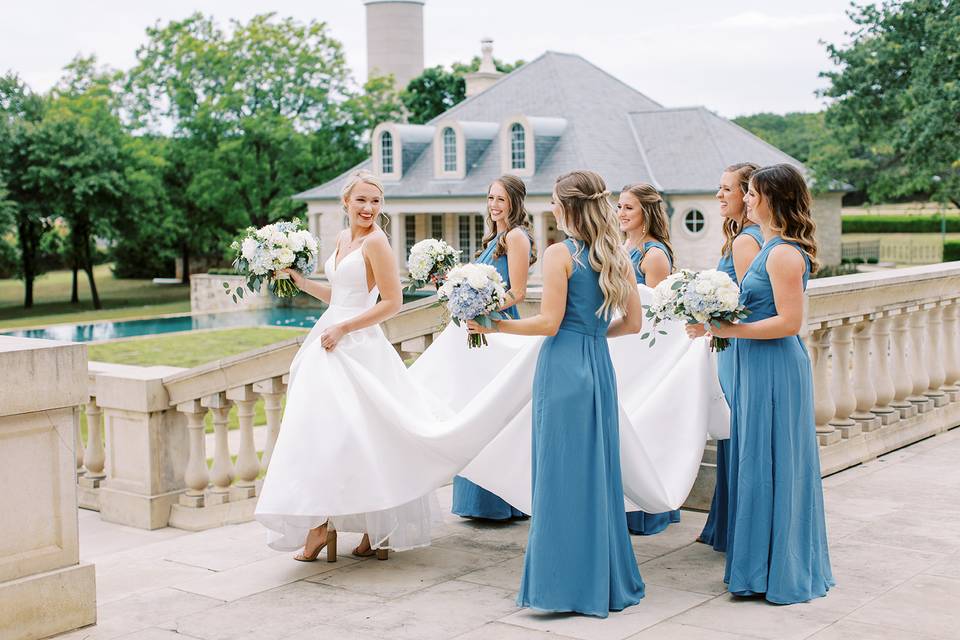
(894, 527)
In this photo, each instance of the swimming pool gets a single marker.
(109, 330)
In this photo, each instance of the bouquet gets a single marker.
(429, 262)
(474, 292)
(697, 297)
(262, 254)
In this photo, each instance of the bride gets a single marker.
(344, 350)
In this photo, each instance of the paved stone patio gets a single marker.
(894, 527)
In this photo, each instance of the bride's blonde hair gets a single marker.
(589, 216)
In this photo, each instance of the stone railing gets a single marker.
(885, 363)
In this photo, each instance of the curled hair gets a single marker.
(656, 223)
(731, 228)
(785, 191)
(518, 217)
(589, 216)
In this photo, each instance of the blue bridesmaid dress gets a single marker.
(640, 522)
(471, 500)
(715, 530)
(579, 557)
(776, 531)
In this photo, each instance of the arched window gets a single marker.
(449, 149)
(518, 147)
(694, 221)
(386, 152)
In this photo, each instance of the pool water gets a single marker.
(109, 330)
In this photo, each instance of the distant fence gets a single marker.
(860, 250)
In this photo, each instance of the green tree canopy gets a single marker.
(895, 117)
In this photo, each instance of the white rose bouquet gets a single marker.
(474, 292)
(429, 262)
(262, 254)
(696, 297)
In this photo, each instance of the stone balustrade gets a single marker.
(883, 346)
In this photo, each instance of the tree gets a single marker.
(799, 134)
(436, 89)
(258, 114)
(896, 110)
(21, 111)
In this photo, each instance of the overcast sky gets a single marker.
(736, 58)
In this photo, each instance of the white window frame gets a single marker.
(387, 153)
(518, 147)
(448, 139)
(703, 222)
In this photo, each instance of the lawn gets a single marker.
(120, 298)
(188, 349)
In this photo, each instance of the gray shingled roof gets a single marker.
(612, 129)
(687, 149)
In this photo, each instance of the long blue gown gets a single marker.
(471, 500)
(715, 529)
(579, 557)
(776, 531)
(641, 522)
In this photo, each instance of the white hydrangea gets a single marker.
(249, 248)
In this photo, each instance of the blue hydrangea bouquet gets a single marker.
(262, 254)
(474, 292)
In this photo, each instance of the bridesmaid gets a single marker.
(576, 442)
(644, 221)
(509, 247)
(776, 536)
(742, 242)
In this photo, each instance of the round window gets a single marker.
(694, 221)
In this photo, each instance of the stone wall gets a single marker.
(44, 589)
(207, 294)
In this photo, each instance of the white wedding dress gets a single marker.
(364, 441)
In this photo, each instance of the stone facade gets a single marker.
(44, 589)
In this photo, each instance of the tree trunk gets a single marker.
(28, 291)
(74, 291)
(185, 256)
(88, 267)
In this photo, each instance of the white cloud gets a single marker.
(759, 20)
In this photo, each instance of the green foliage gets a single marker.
(828, 271)
(898, 224)
(437, 89)
(799, 134)
(893, 119)
(260, 113)
(951, 250)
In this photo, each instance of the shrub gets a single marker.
(898, 224)
(828, 271)
(873, 260)
(951, 250)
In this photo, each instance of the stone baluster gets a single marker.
(951, 350)
(844, 400)
(863, 389)
(902, 385)
(248, 466)
(918, 367)
(934, 356)
(94, 456)
(196, 476)
(272, 392)
(78, 450)
(883, 381)
(823, 406)
(221, 473)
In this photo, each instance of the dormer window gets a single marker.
(518, 147)
(449, 150)
(386, 152)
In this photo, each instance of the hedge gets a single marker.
(898, 224)
(951, 250)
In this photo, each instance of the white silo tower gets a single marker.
(395, 39)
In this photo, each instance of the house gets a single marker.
(555, 114)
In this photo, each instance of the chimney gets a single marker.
(481, 80)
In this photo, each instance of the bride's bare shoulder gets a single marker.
(377, 241)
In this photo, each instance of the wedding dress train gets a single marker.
(365, 441)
